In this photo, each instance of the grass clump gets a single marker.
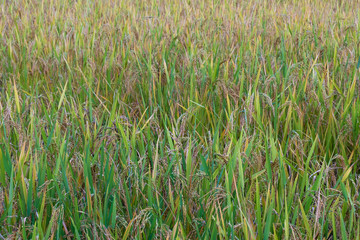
(179, 119)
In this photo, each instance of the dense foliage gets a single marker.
(179, 119)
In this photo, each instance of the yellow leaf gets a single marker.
(17, 101)
(346, 174)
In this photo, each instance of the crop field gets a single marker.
(179, 119)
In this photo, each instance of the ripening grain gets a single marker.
(159, 119)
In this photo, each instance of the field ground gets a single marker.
(179, 119)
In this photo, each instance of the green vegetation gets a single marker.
(179, 119)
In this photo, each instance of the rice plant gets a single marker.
(178, 119)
